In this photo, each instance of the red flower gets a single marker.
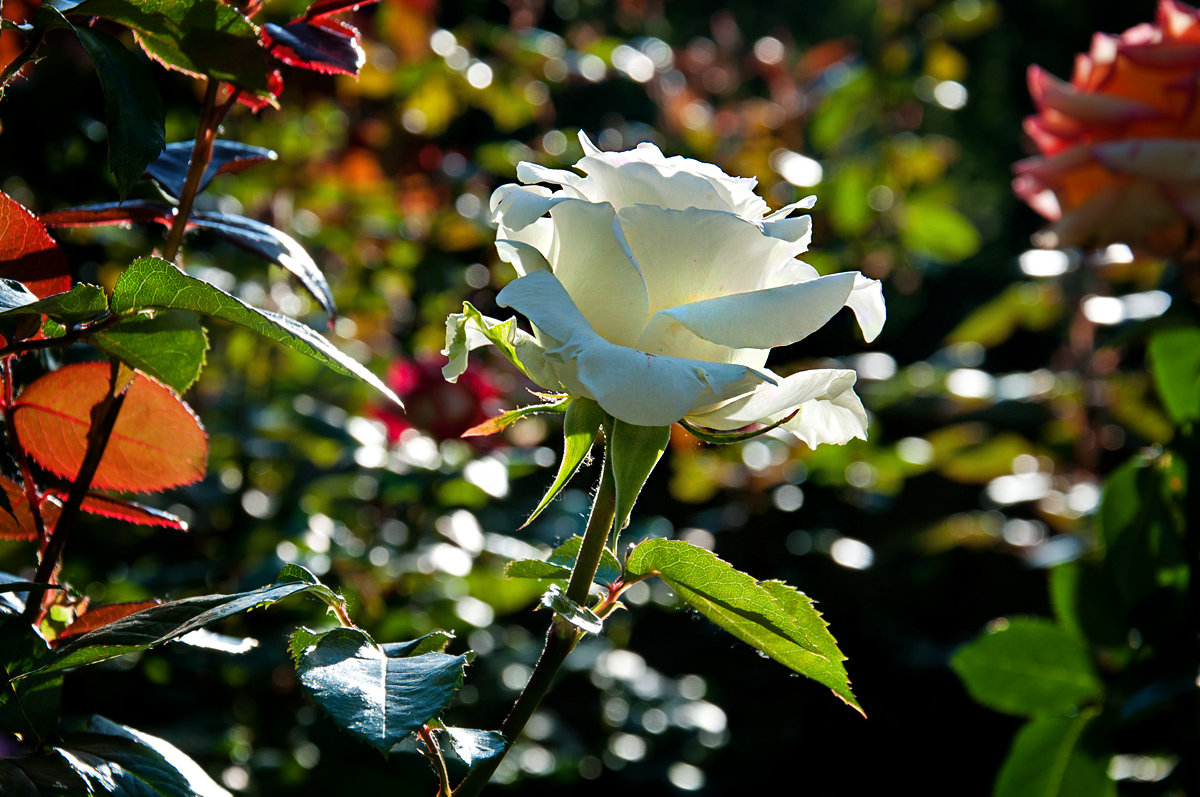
(435, 406)
(1120, 143)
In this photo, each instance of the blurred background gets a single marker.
(995, 407)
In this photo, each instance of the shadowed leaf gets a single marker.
(170, 346)
(100, 616)
(169, 170)
(377, 697)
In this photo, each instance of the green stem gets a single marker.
(104, 418)
(434, 754)
(202, 148)
(561, 637)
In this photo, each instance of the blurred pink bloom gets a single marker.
(435, 406)
(1120, 143)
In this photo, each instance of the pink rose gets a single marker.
(1120, 143)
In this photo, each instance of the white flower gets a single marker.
(657, 287)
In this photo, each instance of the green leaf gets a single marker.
(580, 426)
(170, 346)
(1175, 363)
(1087, 603)
(153, 283)
(772, 617)
(470, 329)
(1141, 527)
(1052, 757)
(1029, 667)
(197, 37)
(82, 303)
(562, 560)
(634, 450)
(133, 108)
(937, 231)
(472, 745)
(581, 617)
(172, 620)
(30, 706)
(381, 699)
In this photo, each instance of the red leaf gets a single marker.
(138, 211)
(256, 102)
(100, 617)
(119, 509)
(157, 441)
(19, 525)
(321, 45)
(27, 252)
(323, 8)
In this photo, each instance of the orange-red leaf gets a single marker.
(27, 252)
(100, 617)
(120, 509)
(19, 525)
(156, 443)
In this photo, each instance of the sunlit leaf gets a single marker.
(581, 425)
(157, 441)
(1029, 667)
(581, 617)
(502, 422)
(560, 562)
(153, 283)
(634, 451)
(170, 346)
(17, 523)
(381, 699)
(109, 506)
(770, 616)
(473, 745)
(28, 254)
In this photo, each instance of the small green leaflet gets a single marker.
(502, 422)
(581, 617)
(153, 283)
(581, 425)
(1050, 758)
(561, 561)
(1028, 667)
(472, 745)
(470, 329)
(172, 620)
(379, 698)
(170, 346)
(82, 303)
(770, 616)
(634, 451)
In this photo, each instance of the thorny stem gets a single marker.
(22, 459)
(104, 418)
(561, 637)
(211, 116)
(435, 756)
(10, 71)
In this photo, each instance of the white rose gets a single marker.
(657, 287)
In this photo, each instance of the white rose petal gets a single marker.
(657, 286)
